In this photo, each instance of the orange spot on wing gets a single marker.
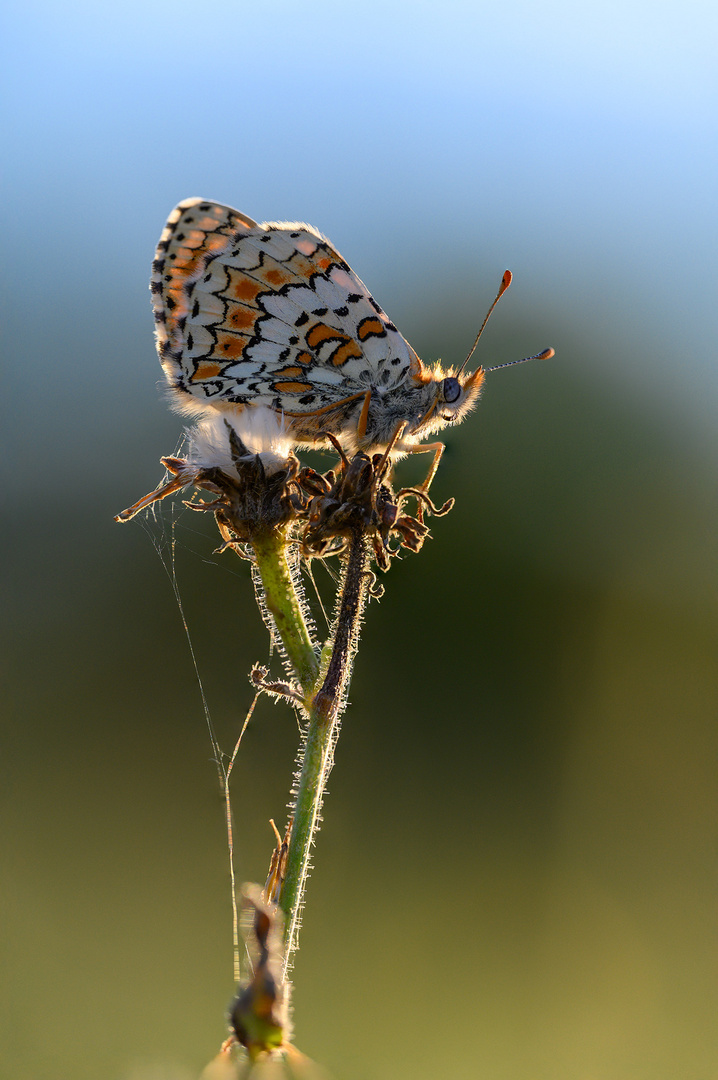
(276, 277)
(206, 369)
(184, 265)
(207, 224)
(370, 327)
(241, 318)
(230, 346)
(195, 238)
(346, 352)
(242, 287)
(305, 358)
(292, 387)
(320, 333)
(288, 372)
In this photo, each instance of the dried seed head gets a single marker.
(358, 496)
(257, 493)
(244, 458)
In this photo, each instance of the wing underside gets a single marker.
(266, 314)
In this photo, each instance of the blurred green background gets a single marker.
(517, 872)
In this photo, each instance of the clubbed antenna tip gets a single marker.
(505, 282)
(545, 355)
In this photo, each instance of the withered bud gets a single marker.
(258, 1015)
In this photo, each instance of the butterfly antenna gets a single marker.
(505, 282)
(546, 354)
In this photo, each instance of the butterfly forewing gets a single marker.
(267, 315)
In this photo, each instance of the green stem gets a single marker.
(285, 606)
(318, 757)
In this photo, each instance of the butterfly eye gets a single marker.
(451, 390)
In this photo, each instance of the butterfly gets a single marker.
(269, 316)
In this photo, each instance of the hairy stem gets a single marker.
(285, 606)
(325, 711)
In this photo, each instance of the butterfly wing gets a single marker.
(266, 314)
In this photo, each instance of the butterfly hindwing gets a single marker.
(266, 314)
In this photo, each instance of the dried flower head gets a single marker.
(219, 450)
(357, 496)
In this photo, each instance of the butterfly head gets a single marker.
(443, 397)
(456, 396)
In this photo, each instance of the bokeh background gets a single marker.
(517, 873)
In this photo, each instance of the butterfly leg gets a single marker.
(394, 444)
(422, 491)
(438, 449)
(179, 480)
(364, 416)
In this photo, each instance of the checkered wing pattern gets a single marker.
(266, 314)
